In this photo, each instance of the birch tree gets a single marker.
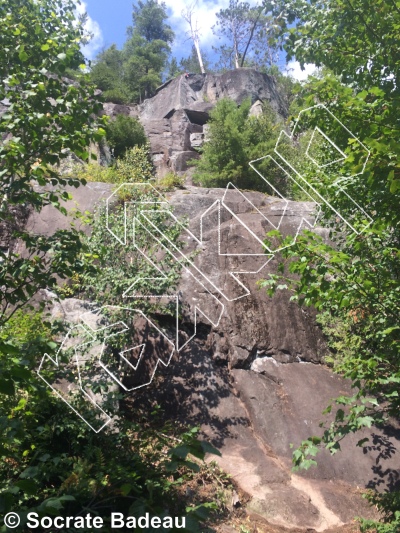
(194, 32)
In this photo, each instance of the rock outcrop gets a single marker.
(175, 117)
(254, 380)
(253, 376)
(232, 258)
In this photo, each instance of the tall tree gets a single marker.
(132, 74)
(147, 49)
(173, 68)
(246, 33)
(45, 118)
(108, 73)
(149, 21)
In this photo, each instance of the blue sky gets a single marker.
(109, 19)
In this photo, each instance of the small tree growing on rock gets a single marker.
(235, 139)
(124, 133)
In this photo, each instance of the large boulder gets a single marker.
(207, 89)
(253, 376)
(255, 379)
(244, 83)
(252, 326)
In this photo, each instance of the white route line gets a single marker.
(55, 362)
(142, 220)
(324, 200)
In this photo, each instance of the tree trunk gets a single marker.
(235, 45)
(194, 34)
(251, 35)
(196, 45)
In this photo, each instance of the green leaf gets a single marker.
(308, 463)
(9, 349)
(45, 47)
(30, 472)
(6, 502)
(23, 56)
(27, 485)
(7, 387)
(390, 330)
(180, 451)
(52, 345)
(125, 489)
(21, 373)
(209, 448)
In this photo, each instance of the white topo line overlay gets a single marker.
(300, 180)
(141, 221)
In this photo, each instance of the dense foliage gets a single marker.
(55, 465)
(135, 166)
(235, 138)
(125, 132)
(354, 283)
(119, 269)
(132, 74)
(46, 118)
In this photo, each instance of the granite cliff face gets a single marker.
(175, 117)
(254, 380)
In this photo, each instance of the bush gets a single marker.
(235, 138)
(116, 268)
(170, 181)
(136, 166)
(95, 172)
(116, 96)
(124, 133)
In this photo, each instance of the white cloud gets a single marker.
(90, 50)
(293, 69)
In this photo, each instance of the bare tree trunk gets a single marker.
(251, 35)
(235, 45)
(194, 34)
(236, 56)
(197, 46)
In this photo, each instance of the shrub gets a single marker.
(124, 133)
(136, 166)
(170, 181)
(116, 96)
(119, 268)
(95, 172)
(235, 138)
